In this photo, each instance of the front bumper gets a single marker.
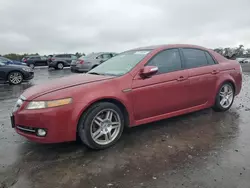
(28, 75)
(56, 121)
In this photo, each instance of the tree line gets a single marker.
(228, 52)
(233, 53)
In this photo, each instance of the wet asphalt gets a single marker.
(203, 149)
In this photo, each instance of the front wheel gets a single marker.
(15, 78)
(101, 125)
(224, 98)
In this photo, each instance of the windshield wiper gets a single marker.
(94, 73)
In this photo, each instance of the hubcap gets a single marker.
(105, 126)
(226, 96)
(60, 65)
(16, 78)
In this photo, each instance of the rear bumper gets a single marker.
(80, 68)
(53, 64)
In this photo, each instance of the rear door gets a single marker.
(35, 60)
(67, 58)
(164, 92)
(203, 73)
(43, 61)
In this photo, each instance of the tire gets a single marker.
(59, 66)
(15, 78)
(226, 96)
(106, 135)
(32, 65)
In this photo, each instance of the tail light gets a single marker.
(81, 62)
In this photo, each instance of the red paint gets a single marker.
(151, 99)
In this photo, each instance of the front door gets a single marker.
(203, 73)
(164, 92)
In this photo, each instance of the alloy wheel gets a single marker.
(15, 78)
(226, 96)
(105, 126)
(32, 66)
(60, 66)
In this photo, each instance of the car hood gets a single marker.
(17, 66)
(62, 83)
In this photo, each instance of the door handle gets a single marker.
(215, 72)
(181, 78)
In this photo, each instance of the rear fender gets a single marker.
(222, 79)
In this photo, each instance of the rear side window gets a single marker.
(210, 59)
(167, 61)
(43, 58)
(73, 57)
(106, 56)
(35, 58)
(194, 58)
(60, 56)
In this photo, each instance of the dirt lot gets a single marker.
(202, 149)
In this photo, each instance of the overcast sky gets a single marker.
(53, 26)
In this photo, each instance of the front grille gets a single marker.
(25, 129)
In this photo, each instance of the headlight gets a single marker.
(26, 69)
(48, 104)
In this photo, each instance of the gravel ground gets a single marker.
(202, 149)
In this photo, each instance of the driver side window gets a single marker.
(167, 61)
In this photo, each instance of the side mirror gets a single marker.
(148, 71)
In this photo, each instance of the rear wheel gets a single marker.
(60, 66)
(224, 98)
(15, 78)
(101, 125)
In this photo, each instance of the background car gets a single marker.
(247, 60)
(59, 61)
(14, 74)
(11, 62)
(34, 61)
(86, 63)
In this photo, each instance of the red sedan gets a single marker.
(133, 88)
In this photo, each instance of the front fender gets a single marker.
(90, 99)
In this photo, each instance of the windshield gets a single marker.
(120, 64)
(3, 59)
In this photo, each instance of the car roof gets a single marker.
(100, 53)
(62, 54)
(155, 47)
(31, 55)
